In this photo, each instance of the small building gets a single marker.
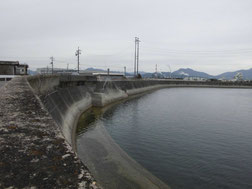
(238, 77)
(48, 71)
(22, 69)
(109, 76)
(13, 68)
(8, 67)
(194, 78)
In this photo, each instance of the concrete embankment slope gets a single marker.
(67, 97)
(33, 152)
(66, 100)
(38, 117)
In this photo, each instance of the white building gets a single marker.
(192, 78)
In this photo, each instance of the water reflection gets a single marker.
(87, 120)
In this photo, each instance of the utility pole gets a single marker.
(137, 54)
(67, 67)
(47, 70)
(136, 60)
(77, 53)
(52, 59)
(124, 70)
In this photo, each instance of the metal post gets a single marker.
(137, 54)
(78, 61)
(52, 59)
(77, 53)
(135, 58)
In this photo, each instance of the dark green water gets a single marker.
(188, 137)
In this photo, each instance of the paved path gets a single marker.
(33, 153)
(2, 83)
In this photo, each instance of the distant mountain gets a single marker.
(147, 75)
(31, 72)
(181, 73)
(95, 70)
(247, 74)
(184, 72)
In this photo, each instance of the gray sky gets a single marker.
(212, 36)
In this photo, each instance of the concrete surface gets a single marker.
(38, 120)
(74, 95)
(2, 83)
(33, 152)
(112, 167)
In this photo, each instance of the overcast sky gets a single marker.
(212, 36)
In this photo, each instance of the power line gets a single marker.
(183, 55)
(230, 51)
(123, 51)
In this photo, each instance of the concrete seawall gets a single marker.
(38, 112)
(68, 97)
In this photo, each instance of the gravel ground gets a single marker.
(2, 83)
(33, 153)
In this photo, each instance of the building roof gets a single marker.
(106, 74)
(24, 65)
(9, 62)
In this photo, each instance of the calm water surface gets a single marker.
(188, 137)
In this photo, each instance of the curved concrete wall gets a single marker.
(66, 97)
(36, 110)
(66, 104)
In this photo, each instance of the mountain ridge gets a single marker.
(185, 72)
(188, 72)
(180, 73)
